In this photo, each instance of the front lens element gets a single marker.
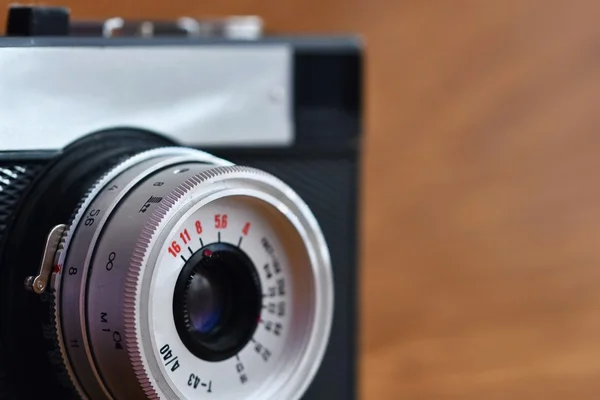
(217, 302)
(204, 299)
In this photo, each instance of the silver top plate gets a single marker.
(226, 95)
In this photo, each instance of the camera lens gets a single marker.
(181, 274)
(217, 302)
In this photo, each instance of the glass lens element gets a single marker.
(205, 303)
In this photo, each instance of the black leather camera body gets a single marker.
(78, 100)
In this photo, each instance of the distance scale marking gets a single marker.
(109, 267)
(239, 223)
(76, 263)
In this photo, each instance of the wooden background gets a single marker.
(481, 222)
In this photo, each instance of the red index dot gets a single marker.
(246, 228)
(207, 253)
(56, 269)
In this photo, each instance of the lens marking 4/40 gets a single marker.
(169, 358)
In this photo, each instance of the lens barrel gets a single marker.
(182, 275)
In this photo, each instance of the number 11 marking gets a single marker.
(185, 236)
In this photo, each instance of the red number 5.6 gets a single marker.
(221, 221)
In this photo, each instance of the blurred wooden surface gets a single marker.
(481, 260)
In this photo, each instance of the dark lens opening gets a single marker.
(204, 298)
(217, 302)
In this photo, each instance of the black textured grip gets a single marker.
(28, 345)
(14, 178)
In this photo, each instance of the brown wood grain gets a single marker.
(481, 208)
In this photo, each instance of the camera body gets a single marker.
(70, 105)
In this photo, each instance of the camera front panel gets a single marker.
(321, 165)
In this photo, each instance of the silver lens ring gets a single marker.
(127, 287)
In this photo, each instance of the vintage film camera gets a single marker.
(178, 204)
